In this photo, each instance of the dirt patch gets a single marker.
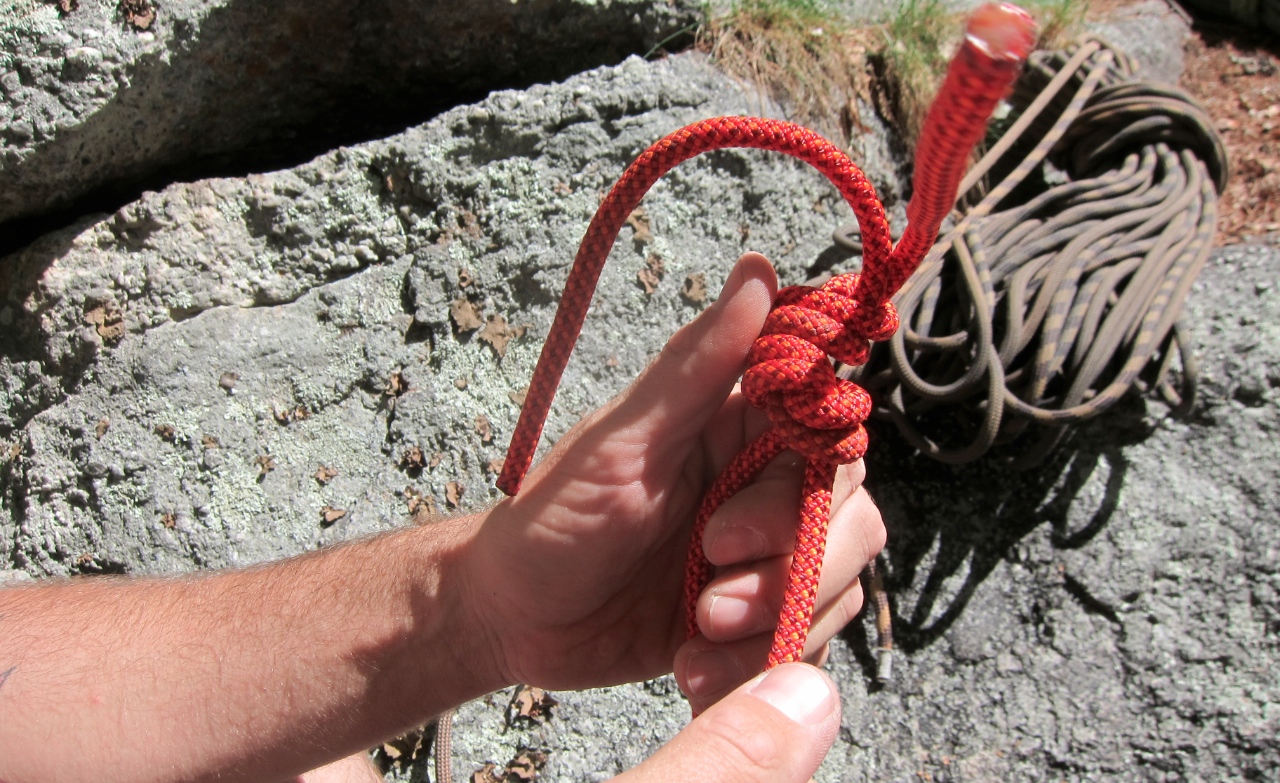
(1234, 75)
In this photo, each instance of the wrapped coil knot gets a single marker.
(791, 378)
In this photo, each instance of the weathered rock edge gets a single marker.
(93, 106)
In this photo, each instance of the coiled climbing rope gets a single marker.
(789, 373)
(1047, 303)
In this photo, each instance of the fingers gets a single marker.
(760, 521)
(745, 599)
(738, 611)
(776, 728)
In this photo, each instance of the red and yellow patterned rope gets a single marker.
(789, 374)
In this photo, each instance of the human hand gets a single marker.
(776, 728)
(578, 580)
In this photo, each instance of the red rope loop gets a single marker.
(790, 377)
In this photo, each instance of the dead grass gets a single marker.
(918, 42)
(1233, 73)
(796, 52)
(910, 62)
(806, 56)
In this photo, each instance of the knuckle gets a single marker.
(850, 604)
(874, 533)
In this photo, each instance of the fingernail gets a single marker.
(711, 671)
(737, 545)
(798, 691)
(730, 615)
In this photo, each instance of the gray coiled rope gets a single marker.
(1059, 289)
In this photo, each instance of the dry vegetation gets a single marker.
(797, 52)
(1233, 73)
(812, 59)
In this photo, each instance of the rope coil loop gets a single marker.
(1059, 290)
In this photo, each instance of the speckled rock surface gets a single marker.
(1111, 615)
(94, 104)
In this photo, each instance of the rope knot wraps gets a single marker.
(790, 375)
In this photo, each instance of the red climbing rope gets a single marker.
(789, 374)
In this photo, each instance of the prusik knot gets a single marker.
(790, 376)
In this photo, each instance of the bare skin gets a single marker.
(265, 673)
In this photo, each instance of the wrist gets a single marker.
(479, 605)
(465, 637)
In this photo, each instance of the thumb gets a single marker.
(776, 729)
(688, 382)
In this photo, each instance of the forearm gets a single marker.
(257, 674)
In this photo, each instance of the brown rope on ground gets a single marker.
(1059, 291)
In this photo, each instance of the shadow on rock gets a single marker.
(950, 526)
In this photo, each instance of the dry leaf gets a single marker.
(400, 752)
(639, 220)
(652, 274)
(422, 508)
(165, 431)
(325, 474)
(561, 188)
(464, 278)
(290, 416)
(524, 767)
(518, 397)
(66, 6)
(169, 519)
(488, 774)
(108, 321)
(530, 703)
(694, 289)
(329, 515)
(499, 334)
(460, 383)
(435, 459)
(139, 13)
(228, 380)
(465, 314)
(266, 463)
(485, 429)
(104, 424)
(648, 281)
(453, 494)
(412, 459)
(396, 385)
(209, 442)
(470, 223)
(494, 465)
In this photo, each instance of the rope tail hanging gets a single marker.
(789, 373)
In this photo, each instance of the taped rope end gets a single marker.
(1003, 31)
(884, 665)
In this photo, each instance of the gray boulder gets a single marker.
(98, 104)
